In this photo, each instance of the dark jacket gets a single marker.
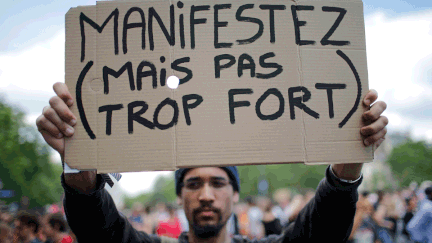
(328, 216)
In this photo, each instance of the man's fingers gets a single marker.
(43, 124)
(370, 97)
(375, 127)
(55, 143)
(62, 91)
(62, 110)
(52, 116)
(375, 137)
(375, 111)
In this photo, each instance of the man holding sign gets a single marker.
(207, 194)
(301, 65)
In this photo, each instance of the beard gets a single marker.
(207, 231)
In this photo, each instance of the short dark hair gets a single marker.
(56, 219)
(29, 219)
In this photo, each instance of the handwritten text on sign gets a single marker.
(258, 83)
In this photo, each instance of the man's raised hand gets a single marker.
(57, 120)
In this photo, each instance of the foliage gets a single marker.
(25, 165)
(298, 177)
(163, 191)
(411, 161)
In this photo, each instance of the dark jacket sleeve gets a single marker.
(95, 218)
(328, 216)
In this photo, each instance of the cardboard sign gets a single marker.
(260, 83)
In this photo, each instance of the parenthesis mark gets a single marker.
(80, 106)
(359, 88)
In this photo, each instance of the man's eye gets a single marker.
(219, 184)
(193, 185)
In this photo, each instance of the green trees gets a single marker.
(25, 166)
(295, 176)
(411, 161)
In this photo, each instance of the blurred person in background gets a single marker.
(272, 224)
(294, 207)
(6, 217)
(362, 230)
(383, 216)
(55, 228)
(171, 226)
(420, 226)
(282, 197)
(149, 222)
(6, 235)
(410, 210)
(26, 228)
(255, 215)
(241, 210)
(136, 218)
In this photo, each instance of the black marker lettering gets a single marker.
(174, 120)
(194, 21)
(182, 36)
(298, 24)
(218, 24)
(252, 20)
(298, 101)
(241, 65)
(95, 26)
(263, 64)
(78, 94)
(170, 37)
(234, 104)
(181, 26)
(108, 71)
(176, 67)
(162, 77)
(137, 115)
(198, 100)
(330, 88)
(218, 67)
(261, 99)
(325, 40)
(152, 72)
(272, 8)
(163, 72)
(127, 26)
(109, 110)
(359, 88)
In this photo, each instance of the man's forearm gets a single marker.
(348, 171)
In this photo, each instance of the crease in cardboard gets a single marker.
(300, 73)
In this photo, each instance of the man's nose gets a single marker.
(206, 193)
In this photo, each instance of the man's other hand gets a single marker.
(374, 129)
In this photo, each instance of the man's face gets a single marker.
(207, 198)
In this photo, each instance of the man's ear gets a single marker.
(179, 201)
(236, 197)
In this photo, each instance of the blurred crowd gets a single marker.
(30, 226)
(381, 217)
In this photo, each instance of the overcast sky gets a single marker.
(398, 43)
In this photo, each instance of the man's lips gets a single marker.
(207, 213)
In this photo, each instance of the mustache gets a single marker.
(202, 209)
